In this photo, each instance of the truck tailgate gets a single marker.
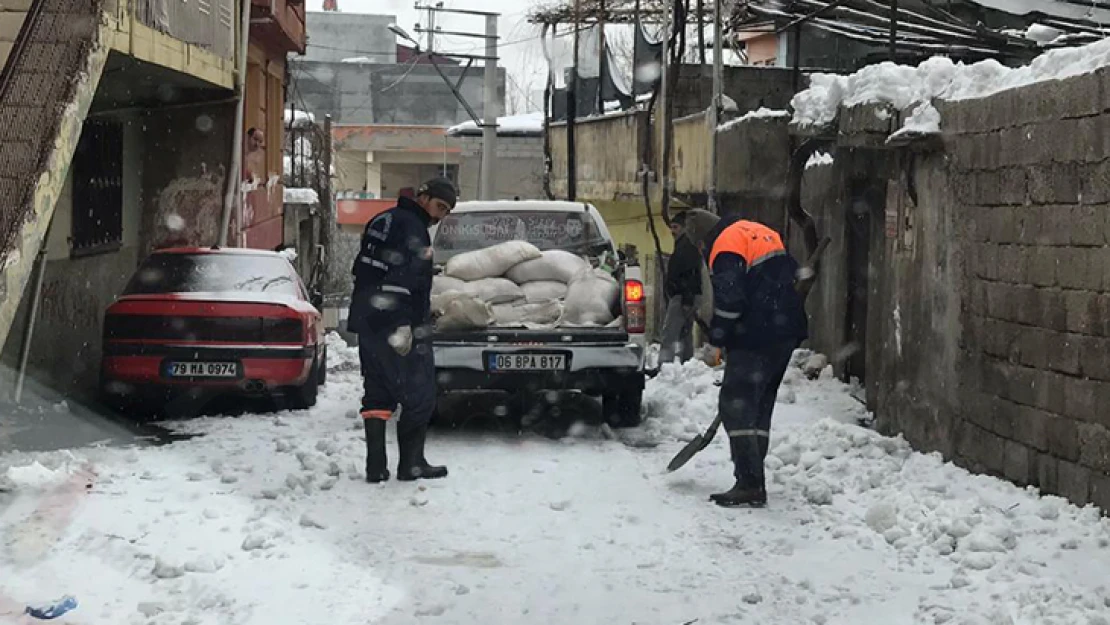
(520, 336)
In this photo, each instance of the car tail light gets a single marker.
(282, 330)
(635, 310)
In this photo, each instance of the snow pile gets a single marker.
(681, 401)
(925, 120)
(761, 113)
(33, 476)
(1042, 34)
(938, 77)
(879, 494)
(819, 159)
(341, 357)
(297, 118)
(38, 471)
(301, 196)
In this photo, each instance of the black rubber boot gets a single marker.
(749, 489)
(428, 471)
(376, 461)
(412, 465)
(740, 495)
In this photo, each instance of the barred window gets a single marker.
(98, 188)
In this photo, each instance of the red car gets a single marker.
(213, 321)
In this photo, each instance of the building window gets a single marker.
(98, 188)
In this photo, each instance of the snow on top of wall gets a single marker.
(924, 120)
(528, 123)
(301, 196)
(938, 77)
(761, 113)
(1055, 8)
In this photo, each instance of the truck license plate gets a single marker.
(202, 370)
(527, 362)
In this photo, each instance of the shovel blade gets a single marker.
(686, 453)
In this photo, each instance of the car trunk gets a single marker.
(193, 319)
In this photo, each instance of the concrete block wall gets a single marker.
(519, 167)
(1029, 178)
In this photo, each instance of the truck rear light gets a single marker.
(635, 310)
(633, 291)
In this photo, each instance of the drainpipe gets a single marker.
(32, 315)
(234, 195)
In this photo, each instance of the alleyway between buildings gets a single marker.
(265, 519)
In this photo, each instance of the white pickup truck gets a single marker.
(602, 361)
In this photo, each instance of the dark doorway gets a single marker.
(865, 198)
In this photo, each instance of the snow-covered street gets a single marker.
(266, 520)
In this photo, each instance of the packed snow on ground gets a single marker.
(301, 196)
(938, 77)
(819, 159)
(266, 519)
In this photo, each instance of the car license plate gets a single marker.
(202, 370)
(527, 362)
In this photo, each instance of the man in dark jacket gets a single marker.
(682, 287)
(759, 319)
(391, 312)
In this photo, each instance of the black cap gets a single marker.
(440, 188)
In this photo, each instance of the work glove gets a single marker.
(401, 340)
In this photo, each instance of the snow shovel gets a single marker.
(701, 441)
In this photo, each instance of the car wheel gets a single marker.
(623, 410)
(305, 395)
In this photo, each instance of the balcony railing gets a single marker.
(207, 24)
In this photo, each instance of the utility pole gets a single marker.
(572, 112)
(715, 108)
(328, 203)
(491, 109)
(431, 45)
(488, 187)
(664, 116)
(893, 31)
(602, 58)
(233, 197)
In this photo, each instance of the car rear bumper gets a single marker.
(128, 367)
(591, 381)
(594, 369)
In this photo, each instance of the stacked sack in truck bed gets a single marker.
(515, 284)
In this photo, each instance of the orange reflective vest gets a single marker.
(752, 241)
(754, 300)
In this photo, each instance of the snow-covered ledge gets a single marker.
(840, 107)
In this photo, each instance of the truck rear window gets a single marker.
(207, 273)
(571, 231)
